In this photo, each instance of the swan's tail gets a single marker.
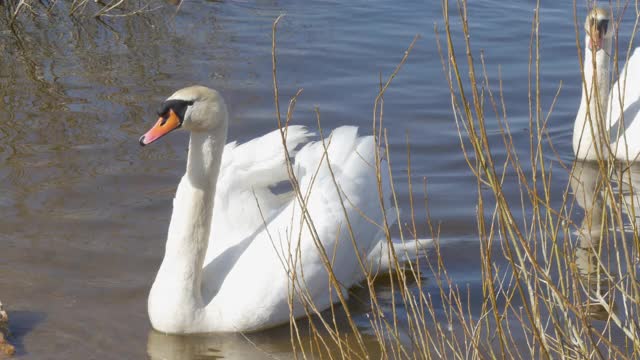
(380, 258)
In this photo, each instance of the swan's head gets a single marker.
(598, 27)
(194, 108)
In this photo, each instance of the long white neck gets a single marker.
(589, 132)
(175, 300)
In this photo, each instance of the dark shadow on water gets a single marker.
(22, 323)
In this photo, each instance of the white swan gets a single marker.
(618, 135)
(223, 269)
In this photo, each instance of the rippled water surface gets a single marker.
(85, 210)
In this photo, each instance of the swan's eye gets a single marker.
(603, 25)
(597, 27)
(179, 107)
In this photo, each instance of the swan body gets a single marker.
(624, 111)
(608, 122)
(241, 256)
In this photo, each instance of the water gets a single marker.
(85, 210)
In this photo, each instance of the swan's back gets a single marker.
(251, 281)
(624, 121)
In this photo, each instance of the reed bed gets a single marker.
(569, 288)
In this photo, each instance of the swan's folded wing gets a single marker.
(293, 246)
(352, 170)
(624, 109)
(249, 174)
(259, 162)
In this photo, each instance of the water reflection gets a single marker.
(170, 347)
(274, 343)
(596, 240)
(586, 183)
(271, 344)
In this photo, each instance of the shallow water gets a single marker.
(85, 210)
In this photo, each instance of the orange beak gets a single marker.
(162, 127)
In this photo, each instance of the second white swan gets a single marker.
(607, 124)
(236, 250)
